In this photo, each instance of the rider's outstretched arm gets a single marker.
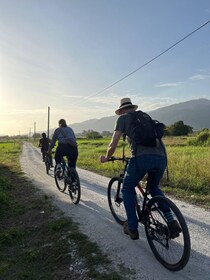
(112, 146)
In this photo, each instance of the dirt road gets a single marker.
(95, 220)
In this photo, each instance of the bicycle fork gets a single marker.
(118, 197)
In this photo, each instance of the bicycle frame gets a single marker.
(143, 191)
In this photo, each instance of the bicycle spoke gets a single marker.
(116, 202)
(173, 253)
(59, 180)
(74, 186)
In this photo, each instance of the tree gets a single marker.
(179, 128)
(106, 133)
(36, 135)
(93, 134)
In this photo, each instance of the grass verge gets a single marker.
(36, 240)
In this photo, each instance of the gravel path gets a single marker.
(96, 221)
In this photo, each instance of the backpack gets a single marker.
(144, 130)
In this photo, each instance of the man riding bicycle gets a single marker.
(44, 143)
(143, 158)
(67, 145)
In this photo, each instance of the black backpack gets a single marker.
(144, 130)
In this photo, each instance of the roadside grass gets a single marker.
(189, 176)
(36, 240)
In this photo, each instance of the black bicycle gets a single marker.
(48, 162)
(171, 251)
(68, 177)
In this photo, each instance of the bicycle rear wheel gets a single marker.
(74, 187)
(115, 200)
(47, 164)
(171, 252)
(59, 180)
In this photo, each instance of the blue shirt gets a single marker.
(62, 134)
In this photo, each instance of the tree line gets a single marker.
(176, 129)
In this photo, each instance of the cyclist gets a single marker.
(44, 144)
(142, 159)
(67, 145)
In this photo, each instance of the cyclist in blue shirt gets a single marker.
(67, 145)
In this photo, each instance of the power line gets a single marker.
(145, 64)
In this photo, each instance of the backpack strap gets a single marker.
(68, 141)
(62, 132)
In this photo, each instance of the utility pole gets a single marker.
(48, 123)
(34, 131)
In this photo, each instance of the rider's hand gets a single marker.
(49, 152)
(103, 159)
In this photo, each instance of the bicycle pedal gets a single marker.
(118, 200)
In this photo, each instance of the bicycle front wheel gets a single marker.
(59, 180)
(115, 200)
(171, 250)
(74, 186)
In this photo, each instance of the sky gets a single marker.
(66, 54)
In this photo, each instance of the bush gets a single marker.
(202, 138)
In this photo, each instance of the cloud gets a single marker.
(169, 84)
(199, 77)
(73, 96)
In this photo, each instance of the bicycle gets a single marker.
(68, 177)
(172, 252)
(48, 162)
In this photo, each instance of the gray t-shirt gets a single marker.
(123, 124)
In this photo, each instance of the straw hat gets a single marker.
(125, 102)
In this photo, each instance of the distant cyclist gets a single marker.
(67, 145)
(44, 143)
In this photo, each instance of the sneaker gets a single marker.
(119, 198)
(174, 229)
(134, 234)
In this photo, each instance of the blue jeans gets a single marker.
(136, 169)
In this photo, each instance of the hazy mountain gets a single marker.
(195, 113)
(103, 124)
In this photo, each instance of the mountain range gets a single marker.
(195, 113)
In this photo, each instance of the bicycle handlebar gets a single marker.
(118, 158)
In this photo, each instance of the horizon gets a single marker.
(66, 54)
(52, 128)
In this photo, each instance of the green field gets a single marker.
(188, 166)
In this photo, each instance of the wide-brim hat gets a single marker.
(125, 102)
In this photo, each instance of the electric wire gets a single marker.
(145, 64)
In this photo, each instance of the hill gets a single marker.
(195, 113)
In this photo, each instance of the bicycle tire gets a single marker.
(116, 204)
(171, 253)
(74, 189)
(59, 180)
(47, 164)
